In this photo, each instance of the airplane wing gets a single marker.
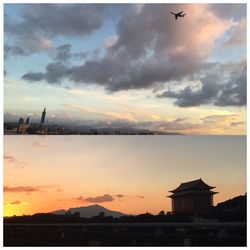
(172, 13)
(179, 13)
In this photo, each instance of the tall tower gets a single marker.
(43, 119)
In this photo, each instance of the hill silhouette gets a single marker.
(237, 203)
(89, 211)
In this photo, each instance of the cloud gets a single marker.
(97, 199)
(119, 195)
(10, 158)
(149, 48)
(20, 189)
(26, 189)
(216, 120)
(55, 72)
(234, 124)
(100, 199)
(155, 55)
(39, 145)
(229, 11)
(28, 46)
(221, 85)
(14, 50)
(63, 52)
(15, 203)
(39, 23)
(13, 160)
(59, 190)
(238, 35)
(79, 198)
(140, 196)
(108, 42)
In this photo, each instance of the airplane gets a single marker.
(178, 14)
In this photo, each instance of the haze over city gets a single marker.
(130, 65)
(128, 174)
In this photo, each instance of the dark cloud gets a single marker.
(39, 23)
(155, 54)
(33, 76)
(54, 73)
(128, 63)
(223, 85)
(63, 52)
(57, 70)
(140, 196)
(100, 199)
(119, 195)
(14, 50)
(25, 189)
(15, 203)
(189, 97)
(147, 49)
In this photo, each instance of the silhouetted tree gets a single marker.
(162, 213)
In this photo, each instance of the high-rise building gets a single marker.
(27, 120)
(43, 118)
(22, 127)
(42, 126)
(20, 123)
(192, 197)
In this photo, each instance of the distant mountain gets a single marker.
(59, 212)
(89, 211)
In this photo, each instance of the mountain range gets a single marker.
(89, 211)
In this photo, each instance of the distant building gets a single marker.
(192, 197)
(42, 126)
(22, 127)
(27, 128)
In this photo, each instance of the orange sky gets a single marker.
(131, 174)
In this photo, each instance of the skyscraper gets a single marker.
(43, 119)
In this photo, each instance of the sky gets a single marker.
(130, 174)
(129, 64)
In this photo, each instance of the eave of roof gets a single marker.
(195, 184)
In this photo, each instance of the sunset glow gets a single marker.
(131, 174)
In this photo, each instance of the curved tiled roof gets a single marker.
(198, 184)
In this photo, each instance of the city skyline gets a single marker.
(183, 76)
(74, 171)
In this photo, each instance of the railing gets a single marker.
(123, 234)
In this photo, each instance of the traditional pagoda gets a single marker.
(192, 197)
